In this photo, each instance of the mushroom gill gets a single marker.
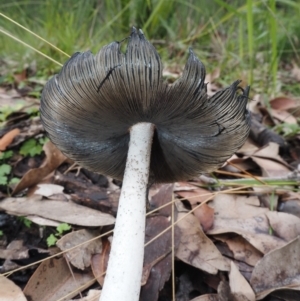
(89, 108)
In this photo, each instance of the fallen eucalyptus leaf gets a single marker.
(10, 291)
(80, 257)
(240, 288)
(66, 212)
(196, 249)
(277, 270)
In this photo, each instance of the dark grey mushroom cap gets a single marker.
(88, 108)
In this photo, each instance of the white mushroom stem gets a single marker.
(124, 272)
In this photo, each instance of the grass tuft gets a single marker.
(251, 40)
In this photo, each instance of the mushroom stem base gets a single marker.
(124, 272)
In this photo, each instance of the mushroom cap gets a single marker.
(89, 107)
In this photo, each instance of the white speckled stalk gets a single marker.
(124, 272)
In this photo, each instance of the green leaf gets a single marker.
(25, 221)
(3, 180)
(31, 148)
(1, 233)
(14, 181)
(5, 169)
(43, 140)
(287, 129)
(51, 240)
(4, 112)
(63, 227)
(6, 155)
(32, 110)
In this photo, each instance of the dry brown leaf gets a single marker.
(223, 290)
(14, 250)
(241, 215)
(290, 206)
(93, 295)
(233, 206)
(238, 164)
(49, 189)
(280, 269)
(285, 226)
(271, 168)
(240, 288)
(7, 96)
(209, 297)
(18, 253)
(248, 148)
(20, 76)
(268, 158)
(205, 216)
(158, 260)
(245, 269)
(269, 199)
(10, 291)
(242, 250)
(53, 281)
(42, 221)
(99, 261)
(8, 138)
(54, 158)
(255, 104)
(80, 257)
(255, 230)
(196, 249)
(160, 195)
(270, 151)
(66, 212)
(159, 248)
(193, 194)
(284, 116)
(290, 195)
(183, 186)
(283, 103)
(30, 128)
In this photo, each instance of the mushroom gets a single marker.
(113, 114)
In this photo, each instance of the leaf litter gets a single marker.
(235, 232)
